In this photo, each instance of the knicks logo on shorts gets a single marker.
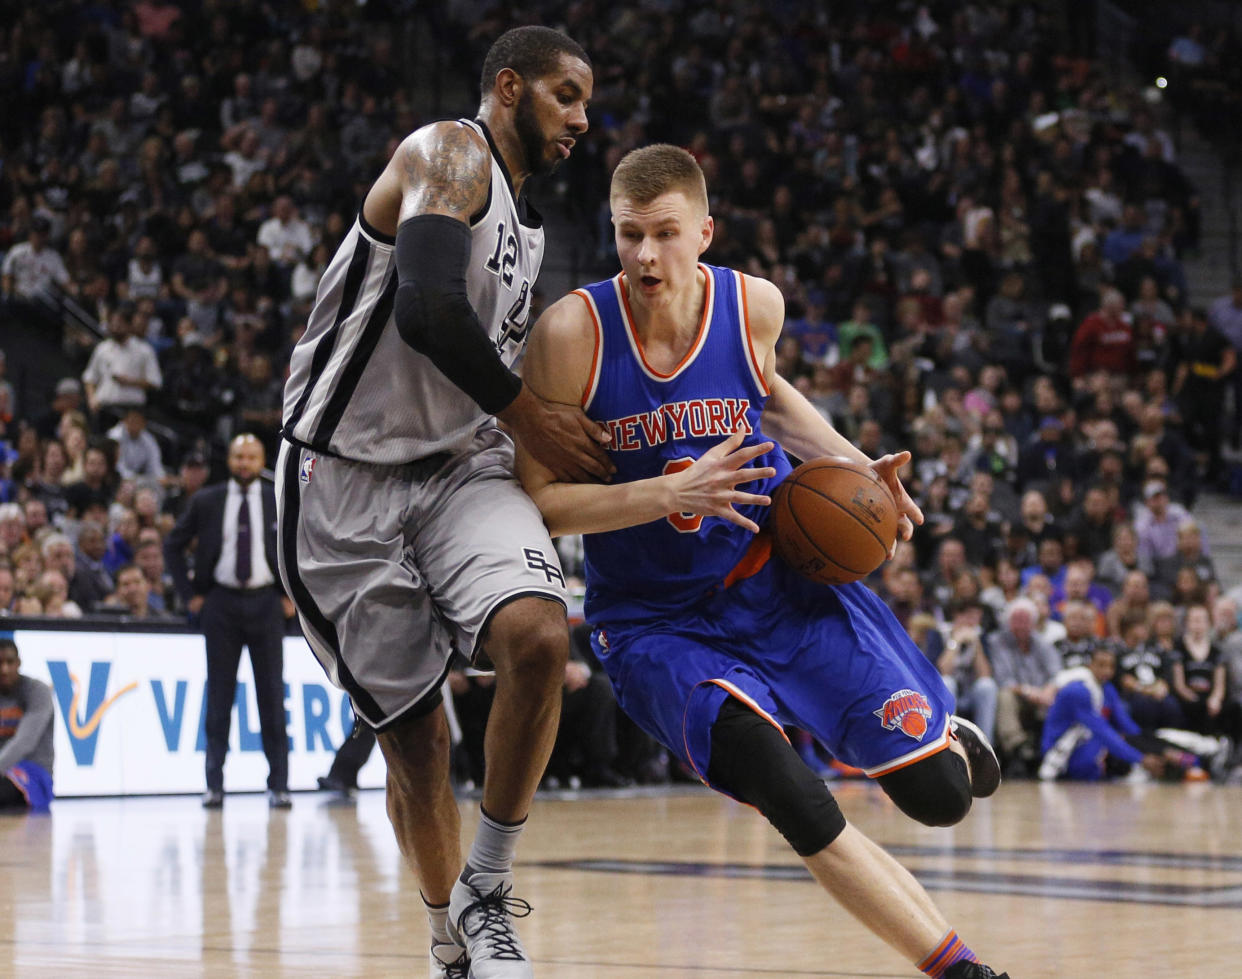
(907, 711)
(307, 470)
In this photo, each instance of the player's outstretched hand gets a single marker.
(908, 512)
(564, 440)
(708, 486)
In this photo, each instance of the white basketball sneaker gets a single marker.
(481, 913)
(449, 961)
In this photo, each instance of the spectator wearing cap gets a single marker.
(1103, 341)
(138, 453)
(1157, 522)
(121, 371)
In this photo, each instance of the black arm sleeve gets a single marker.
(434, 315)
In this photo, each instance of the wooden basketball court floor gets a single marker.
(1042, 880)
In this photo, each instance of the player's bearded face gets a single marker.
(536, 146)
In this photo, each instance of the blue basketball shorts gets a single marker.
(831, 660)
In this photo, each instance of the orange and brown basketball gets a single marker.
(833, 520)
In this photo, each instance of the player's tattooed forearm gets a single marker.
(450, 175)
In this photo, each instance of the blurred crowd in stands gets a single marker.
(981, 240)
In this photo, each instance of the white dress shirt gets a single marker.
(226, 568)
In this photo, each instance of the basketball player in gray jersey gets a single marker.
(404, 535)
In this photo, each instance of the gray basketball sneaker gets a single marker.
(449, 961)
(481, 913)
(985, 772)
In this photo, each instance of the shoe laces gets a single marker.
(492, 923)
(459, 968)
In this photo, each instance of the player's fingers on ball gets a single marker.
(905, 529)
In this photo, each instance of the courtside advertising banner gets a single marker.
(130, 707)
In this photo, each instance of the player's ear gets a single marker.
(508, 87)
(707, 231)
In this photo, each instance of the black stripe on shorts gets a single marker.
(327, 343)
(358, 360)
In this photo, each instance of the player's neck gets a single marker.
(506, 141)
(669, 321)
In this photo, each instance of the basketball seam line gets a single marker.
(810, 540)
(810, 489)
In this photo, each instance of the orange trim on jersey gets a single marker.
(752, 562)
(750, 340)
(915, 756)
(699, 337)
(593, 380)
(733, 692)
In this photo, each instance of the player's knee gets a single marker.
(529, 643)
(753, 762)
(934, 791)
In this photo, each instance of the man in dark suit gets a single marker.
(237, 597)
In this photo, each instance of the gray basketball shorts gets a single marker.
(394, 568)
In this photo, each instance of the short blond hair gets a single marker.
(661, 168)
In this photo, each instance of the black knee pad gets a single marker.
(752, 761)
(935, 791)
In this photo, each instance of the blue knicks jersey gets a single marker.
(659, 424)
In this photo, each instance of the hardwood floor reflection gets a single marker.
(1055, 881)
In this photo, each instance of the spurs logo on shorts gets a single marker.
(536, 560)
(907, 711)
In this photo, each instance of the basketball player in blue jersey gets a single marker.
(711, 646)
(404, 535)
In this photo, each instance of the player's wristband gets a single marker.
(434, 315)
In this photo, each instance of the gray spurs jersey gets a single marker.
(356, 389)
